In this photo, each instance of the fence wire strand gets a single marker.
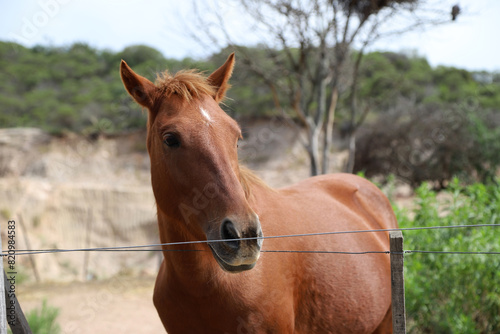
(144, 248)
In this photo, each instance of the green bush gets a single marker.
(451, 293)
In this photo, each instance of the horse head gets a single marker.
(195, 174)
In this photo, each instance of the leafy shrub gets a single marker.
(451, 293)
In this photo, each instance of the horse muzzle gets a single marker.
(238, 246)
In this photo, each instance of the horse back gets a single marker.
(362, 197)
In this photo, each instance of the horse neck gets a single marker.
(183, 261)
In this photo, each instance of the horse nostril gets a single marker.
(228, 231)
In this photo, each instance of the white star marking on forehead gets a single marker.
(205, 114)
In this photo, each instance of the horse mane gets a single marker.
(187, 84)
(249, 178)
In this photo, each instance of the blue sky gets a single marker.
(472, 42)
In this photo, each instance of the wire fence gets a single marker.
(147, 248)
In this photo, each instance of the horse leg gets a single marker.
(385, 326)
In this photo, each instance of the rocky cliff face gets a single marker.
(72, 192)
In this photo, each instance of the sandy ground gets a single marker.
(120, 305)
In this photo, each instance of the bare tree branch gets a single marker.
(310, 43)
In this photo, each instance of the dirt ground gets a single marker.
(120, 305)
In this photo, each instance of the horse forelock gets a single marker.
(187, 84)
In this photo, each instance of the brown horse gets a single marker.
(202, 193)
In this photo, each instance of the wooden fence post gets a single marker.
(9, 303)
(397, 283)
(3, 305)
(20, 325)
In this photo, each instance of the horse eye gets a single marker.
(171, 140)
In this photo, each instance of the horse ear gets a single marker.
(219, 79)
(140, 88)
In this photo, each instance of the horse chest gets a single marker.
(213, 309)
